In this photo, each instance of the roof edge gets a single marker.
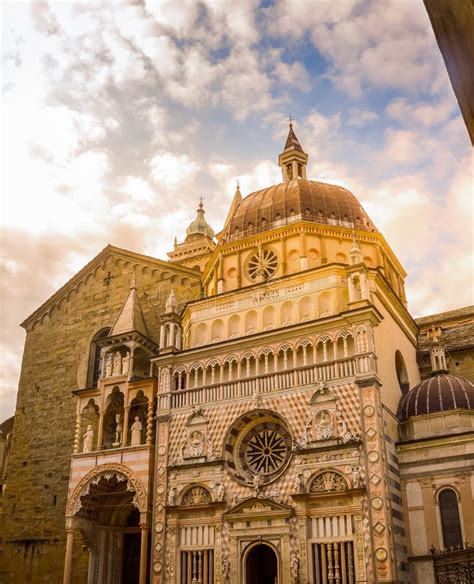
(108, 249)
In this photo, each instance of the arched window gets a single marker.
(94, 358)
(450, 522)
(402, 374)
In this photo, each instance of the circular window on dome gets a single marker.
(262, 265)
(258, 445)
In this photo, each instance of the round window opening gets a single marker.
(258, 448)
(262, 265)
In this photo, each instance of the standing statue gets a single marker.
(118, 430)
(108, 365)
(126, 364)
(219, 493)
(294, 568)
(356, 478)
(117, 363)
(257, 483)
(172, 496)
(136, 438)
(297, 484)
(88, 438)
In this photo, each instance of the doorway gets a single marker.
(261, 566)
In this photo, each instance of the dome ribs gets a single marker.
(297, 199)
(440, 393)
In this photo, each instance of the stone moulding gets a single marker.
(107, 471)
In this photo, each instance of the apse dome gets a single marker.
(440, 393)
(295, 200)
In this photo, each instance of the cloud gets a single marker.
(379, 43)
(358, 117)
(426, 114)
(171, 170)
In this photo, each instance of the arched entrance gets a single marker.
(261, 565)
(107, 507)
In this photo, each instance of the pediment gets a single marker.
(95, 268)
(257, 507)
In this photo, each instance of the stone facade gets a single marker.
(236, 424)
(55, 362)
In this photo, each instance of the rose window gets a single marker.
(262, 265)
(265, 451)
(258, 445)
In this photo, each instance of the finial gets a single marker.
(175, 242)
(201, 205)
(290, 120)
(133, 285)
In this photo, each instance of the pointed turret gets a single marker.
(233, 206)
(130, 318)
(293, 159)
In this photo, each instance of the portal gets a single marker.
(261, 566)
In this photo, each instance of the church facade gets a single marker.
(242, 414)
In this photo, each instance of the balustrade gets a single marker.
(248, 386)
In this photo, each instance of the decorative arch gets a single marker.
(273, 560)
(328, 481)
(213, 363)
(266, 351)
(196, 494)
(107, 471)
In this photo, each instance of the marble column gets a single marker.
(68, 558)
(143, 554)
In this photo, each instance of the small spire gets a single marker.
(438, 358)
(293, 159)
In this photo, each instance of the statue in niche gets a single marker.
(108, 365)
(136, 431)
(297, 484)
(126, 364)
(172, 496)
(324, 425)
(118, 430)
(117, 363)
(257, 482)
(88, 439)
(219, 493)
(356, 478)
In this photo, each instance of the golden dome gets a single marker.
(296, 200)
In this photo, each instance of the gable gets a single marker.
(256, 507)
(98, 268)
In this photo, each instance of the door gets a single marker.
(261, 565)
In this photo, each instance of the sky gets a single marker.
(118, 116)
